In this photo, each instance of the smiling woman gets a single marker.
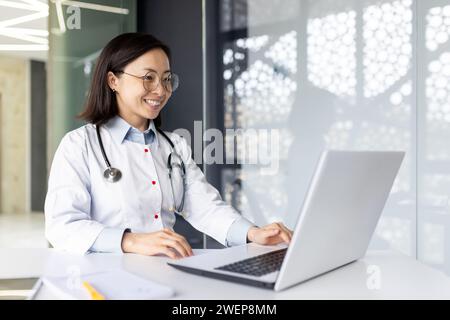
(157, 178)
(107, 97)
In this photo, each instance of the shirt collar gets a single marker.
(119, 129)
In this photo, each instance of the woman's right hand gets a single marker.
(164, 242)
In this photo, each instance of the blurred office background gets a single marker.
(337, 74)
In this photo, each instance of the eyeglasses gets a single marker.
(151, 80)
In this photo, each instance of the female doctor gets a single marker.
(117, 183)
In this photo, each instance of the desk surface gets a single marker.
(379, 275)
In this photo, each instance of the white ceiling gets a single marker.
(34, 32)
(39, 23)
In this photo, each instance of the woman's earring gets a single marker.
(114, 90)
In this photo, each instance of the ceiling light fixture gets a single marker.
(37, 39)
(93, 6)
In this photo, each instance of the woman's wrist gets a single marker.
(250, 234)
(128, 242)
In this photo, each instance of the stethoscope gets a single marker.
(113, 175)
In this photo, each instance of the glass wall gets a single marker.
(297, 77)
(77, 36)
(433, 93)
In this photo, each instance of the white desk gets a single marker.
(401, 277)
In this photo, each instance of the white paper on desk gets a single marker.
(113, 285)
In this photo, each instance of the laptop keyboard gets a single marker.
(259, 265)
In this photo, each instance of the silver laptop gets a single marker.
(344, 202)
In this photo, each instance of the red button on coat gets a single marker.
(146, 150)
(153, 182)
(156, 216)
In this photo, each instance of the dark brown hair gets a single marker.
(101, 104)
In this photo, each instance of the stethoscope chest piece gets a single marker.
(112, 174)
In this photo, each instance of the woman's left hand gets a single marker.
(270, 234)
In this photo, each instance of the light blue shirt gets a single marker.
(110, 239)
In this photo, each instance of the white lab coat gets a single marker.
(80, 203)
